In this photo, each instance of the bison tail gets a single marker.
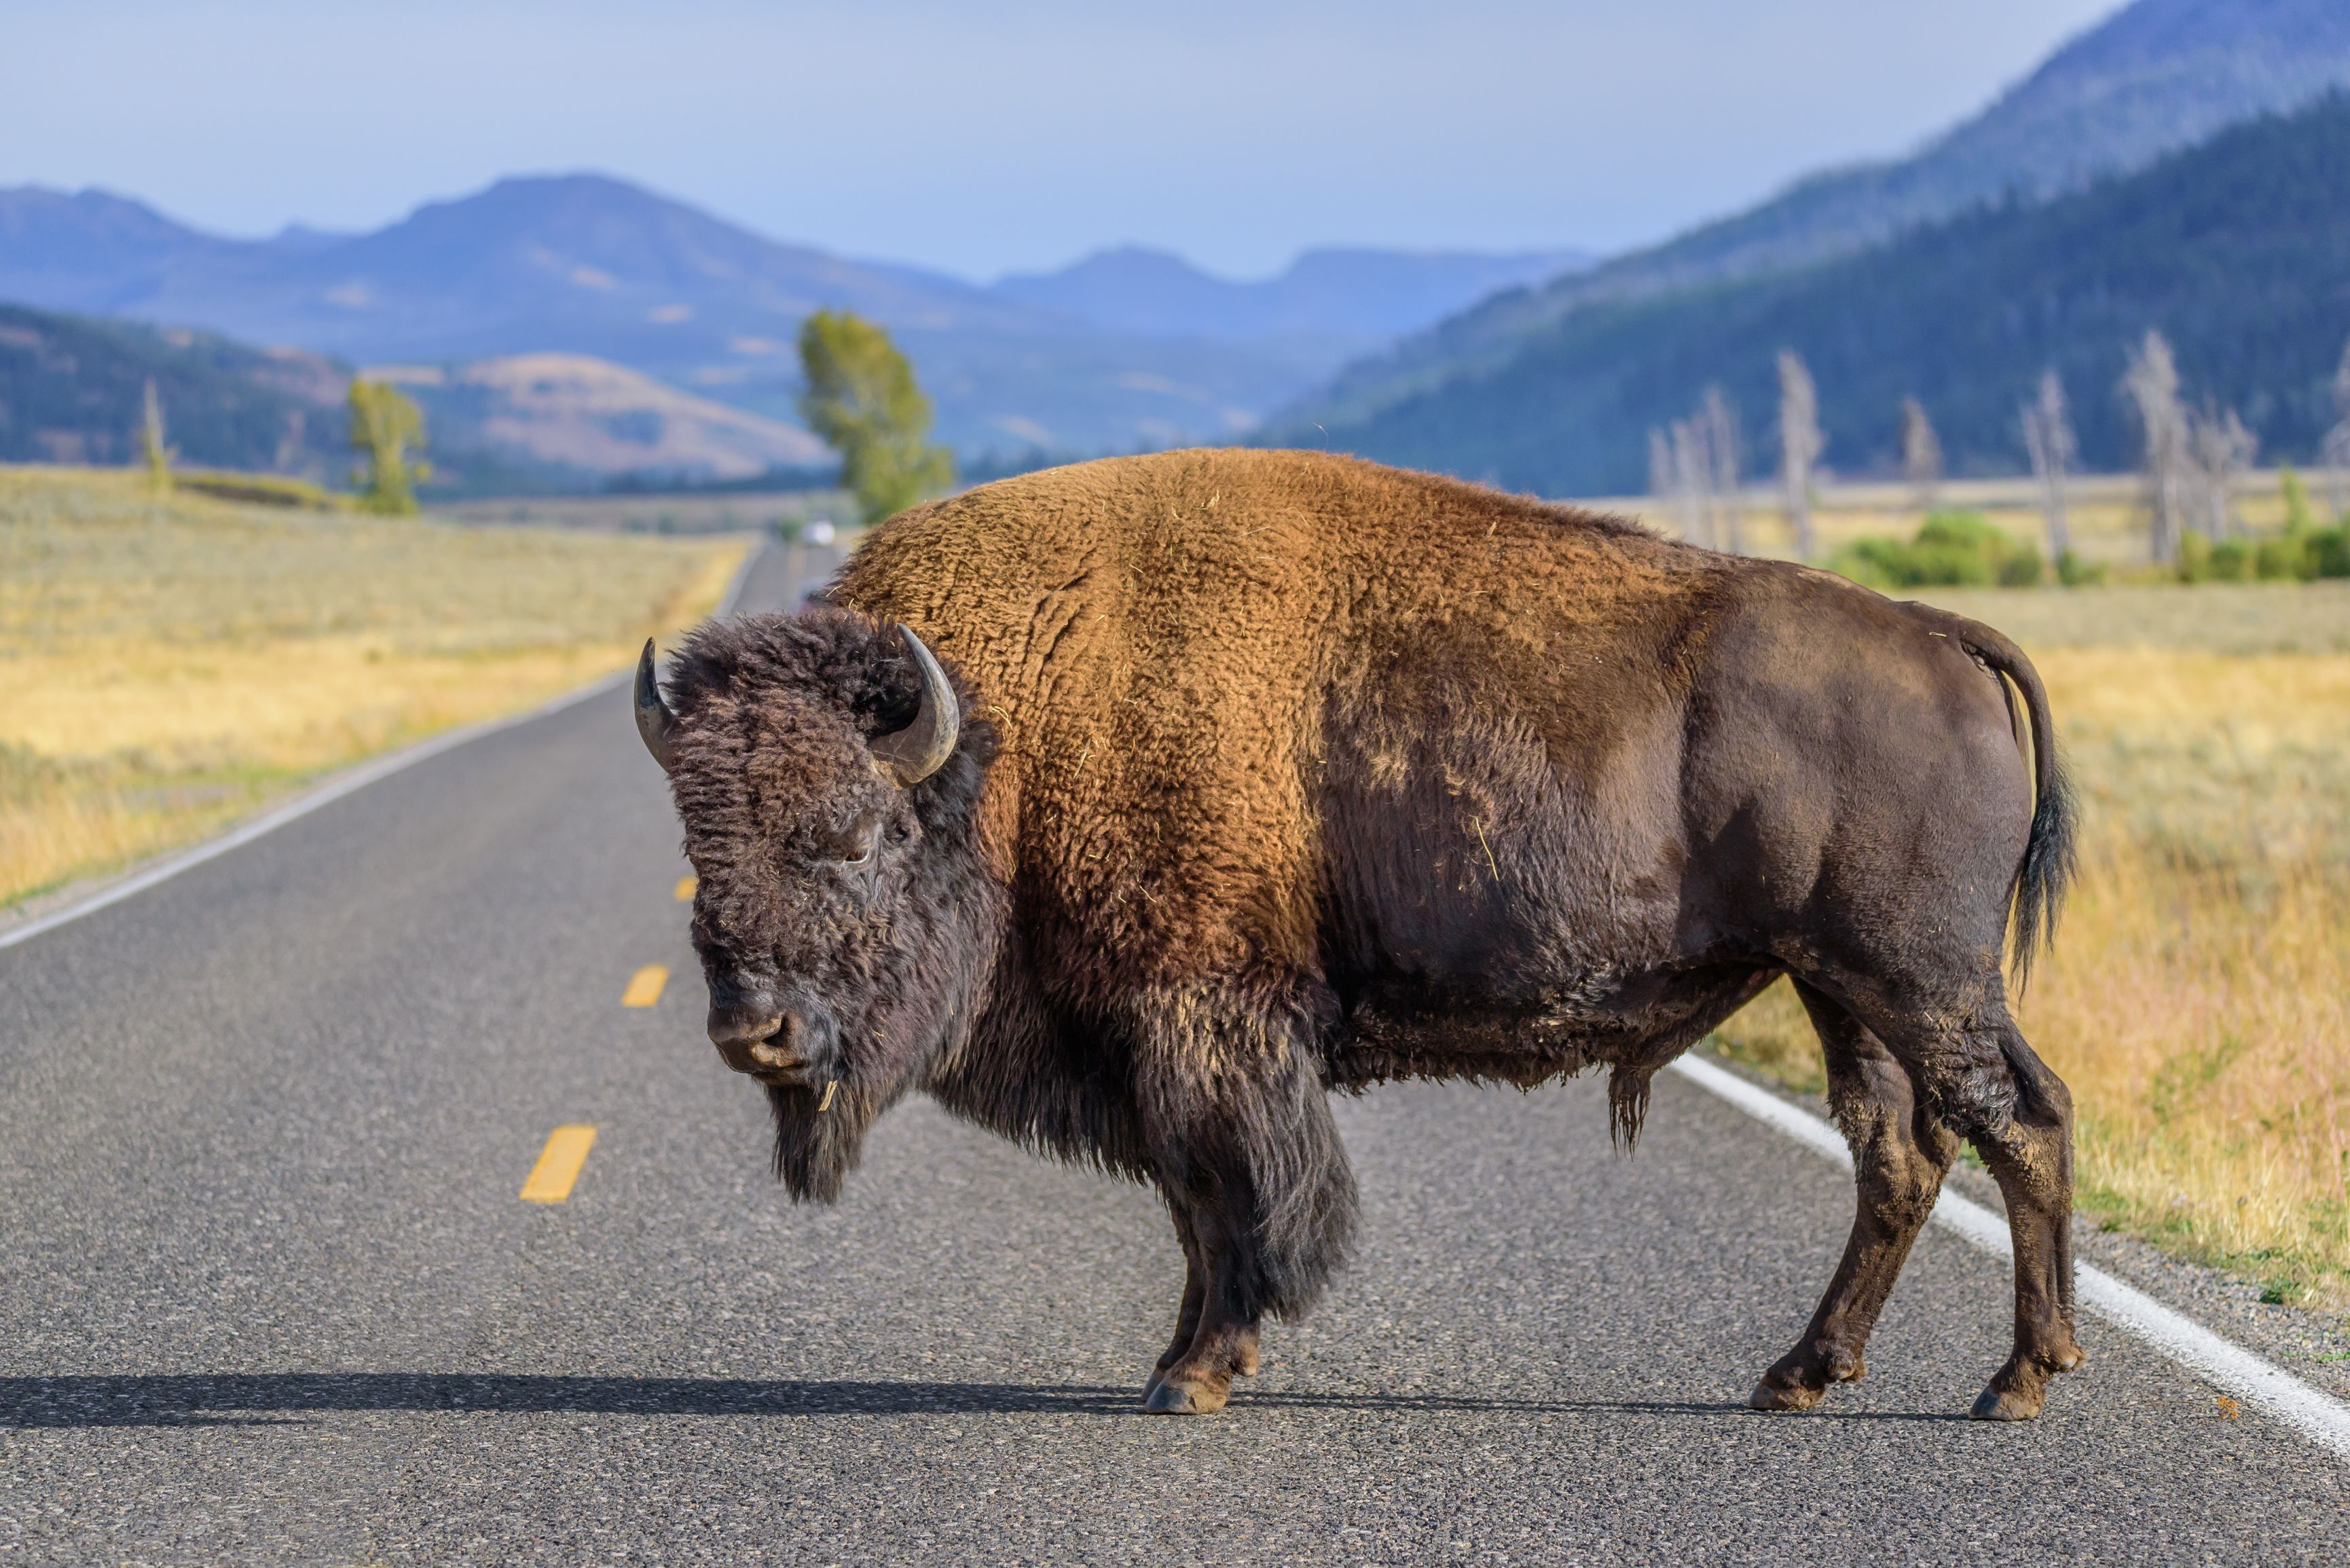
(2048, 851)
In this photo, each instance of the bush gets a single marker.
(1952, 549)
(2232, 562)
(2076, 573)
(2327, 553)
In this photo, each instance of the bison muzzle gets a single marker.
(1240, 777)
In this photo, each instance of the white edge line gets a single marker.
(2256, 1379)
(346, 782)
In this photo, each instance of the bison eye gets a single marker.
(853, 845)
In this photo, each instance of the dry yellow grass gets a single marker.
(172, 665)
(2198, 997)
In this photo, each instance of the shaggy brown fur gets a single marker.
(1283, 772)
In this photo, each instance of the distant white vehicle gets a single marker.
(819, 532)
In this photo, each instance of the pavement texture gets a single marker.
(268, 1294)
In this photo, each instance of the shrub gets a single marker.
(2328, 552)
(1952, 549)
(2230, 561)
(2076, 573)
(2194, 558)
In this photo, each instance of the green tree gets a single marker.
(861, 398)
(153, 450)
(384, 425)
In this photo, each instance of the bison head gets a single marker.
(828, 780)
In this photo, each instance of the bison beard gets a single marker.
(1259, 774)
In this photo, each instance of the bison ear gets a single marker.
(908, 756)
(655, 722)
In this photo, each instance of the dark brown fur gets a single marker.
(1282, 773)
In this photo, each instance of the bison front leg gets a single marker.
(1195, 1290)
(1246, 1152)
(1216, 1334)
(1900, 1155)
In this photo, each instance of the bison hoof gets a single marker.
(1770, 1395)
(1173, 1398)
(1997, 1404)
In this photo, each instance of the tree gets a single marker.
(384, 425)
(2048, 439)
(1718, 424)
(862, 400)
(2220, 449)
(2151, 384)
(153, 450)
(2336, 453)
(1922, 455)
(1694, 484)
(1800, 445)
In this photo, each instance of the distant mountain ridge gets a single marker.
(2156, 77)
(1333, 291)
(591, 265)
(2237, 250)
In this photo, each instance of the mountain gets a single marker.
(589, 265)
(2238, 251)
(1365, 295)
(2157, 76)
(73, 390)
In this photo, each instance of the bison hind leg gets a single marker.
(1973, 1074)
(1900, 1155)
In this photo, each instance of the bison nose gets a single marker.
(758, 1033)
(738, 1028)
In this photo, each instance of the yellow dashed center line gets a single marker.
(685, 887)
(645, 986)
(558, 1164)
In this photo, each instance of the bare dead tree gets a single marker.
(1800, 445)
(2048, 438)
(1720, 423)
(1694, 484)
(2219, 451)
(1660, 464)
(1922, 455)
(2151, 384)
(2336, 454)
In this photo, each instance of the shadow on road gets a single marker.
(274, 1398)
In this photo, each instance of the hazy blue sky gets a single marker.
(1015, 133)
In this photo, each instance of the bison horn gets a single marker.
(655, 722)
(913, 753)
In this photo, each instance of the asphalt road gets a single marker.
(267, 1293)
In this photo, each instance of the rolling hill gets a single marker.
(73, 389)
(1074, 362)
(2237, 250)
(2156, 77)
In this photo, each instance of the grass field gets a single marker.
(2199, 998)
(170, 666)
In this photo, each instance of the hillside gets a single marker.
(73, 390)
(2237, 250)
(2156, 77)
(1077, 361)
(564, 419)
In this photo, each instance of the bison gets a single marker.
(1237, 777)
